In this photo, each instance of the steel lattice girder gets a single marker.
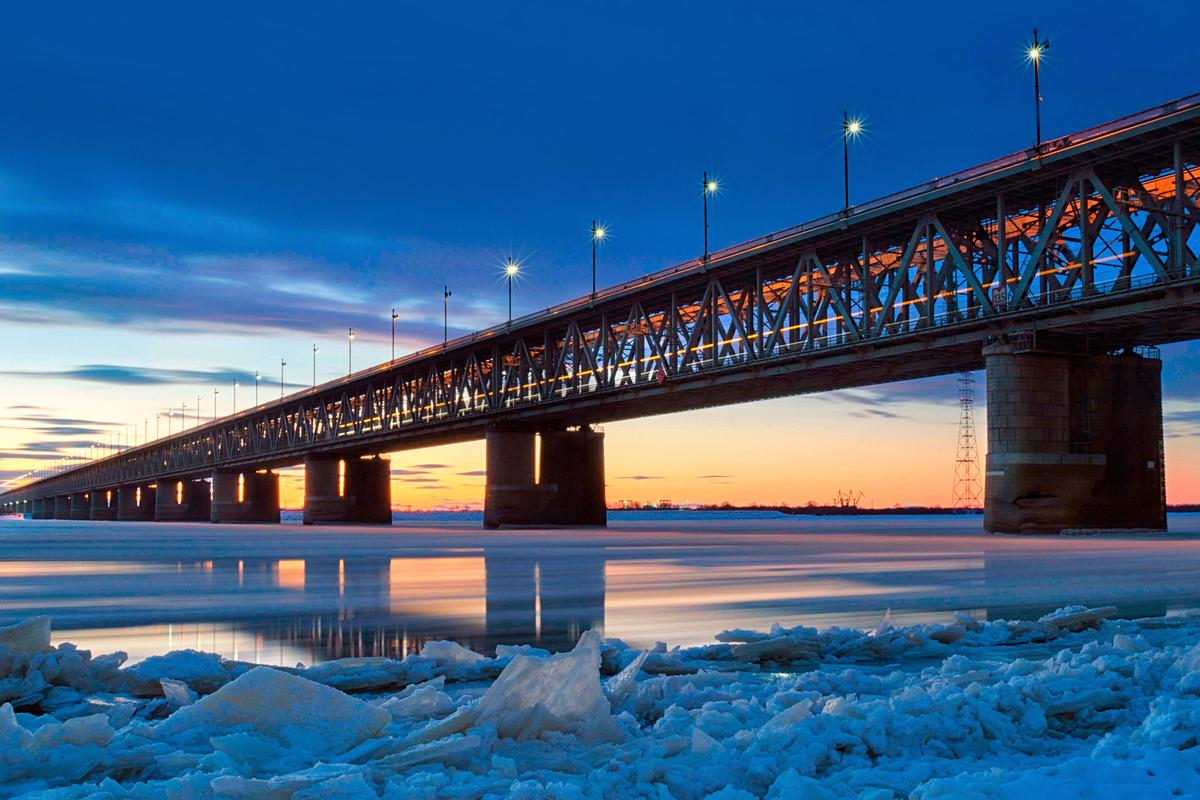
(1095, 231)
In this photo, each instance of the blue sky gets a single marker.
(191, 192)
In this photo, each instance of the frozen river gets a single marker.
(287, 594)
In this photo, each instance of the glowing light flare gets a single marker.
(511, 268)
(598, 232)
(853, 127)
(711, 187)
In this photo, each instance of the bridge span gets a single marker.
(1058, 269)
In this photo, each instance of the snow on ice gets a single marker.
(1074, 705)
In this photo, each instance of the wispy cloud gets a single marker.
(144, 376)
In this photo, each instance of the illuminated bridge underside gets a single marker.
(1095, 238)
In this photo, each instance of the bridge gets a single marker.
(1059, 269)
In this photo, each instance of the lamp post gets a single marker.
(350, 351)
(1034, 54)
(197, 411)
(235, 384)
(214, 411)
(394, 317)
(511, 268)
(157, 422)
(710, 187)
(597, 234)
(445, 313)
(282, 364)
(257, 378)
(315, 351)
(850, 128)
(182, 416)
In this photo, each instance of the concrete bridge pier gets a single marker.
(103, 504)
(81, 505)
(350, 490)
(186, 500)
(569, 490)
(62, 506)
(135, 503)
(43, 508)
(1075, 442)
(245, 496)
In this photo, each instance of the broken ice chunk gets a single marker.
(178, 693)
(30, 636)
(450, 653)
(1078, 618)
(558, 693)
(296, 712)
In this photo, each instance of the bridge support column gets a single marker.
(81, 505)
(186, 500)
(245, 497)
(103, 504)
(350, 490)
(569, 491)
(43, 508)
(62, 506)
(1075, 442)
(135, 503)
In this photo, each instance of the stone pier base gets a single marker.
(1075, 442)
(245, 497)
(569, 491)
(186, 500)
(351, 490)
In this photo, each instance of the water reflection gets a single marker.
(388, 594)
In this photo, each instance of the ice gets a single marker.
(450, 653)
(1074, 705)
(558, 693)
(1077, 618)
(176, 692)
(288, 709)
(29, 636)
(427, 701)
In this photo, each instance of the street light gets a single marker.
(710, 187)
(511, 268)
(350, 351)
(214, 416)
(182, 416)
(235, 385)
(851, 128)
(197, 411)
(1034, 53)
(282, 364)
(598, 232)
(445, 313)
(315, 351)
(394, 317)
(257, 378)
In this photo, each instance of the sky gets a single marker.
(191, 192)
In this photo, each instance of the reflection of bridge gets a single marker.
(1040, 266)
(333, 607)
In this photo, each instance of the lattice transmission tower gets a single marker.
(966, 463)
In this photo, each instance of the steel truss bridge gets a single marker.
(1093, 235)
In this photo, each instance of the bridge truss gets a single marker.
(1094, 234)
